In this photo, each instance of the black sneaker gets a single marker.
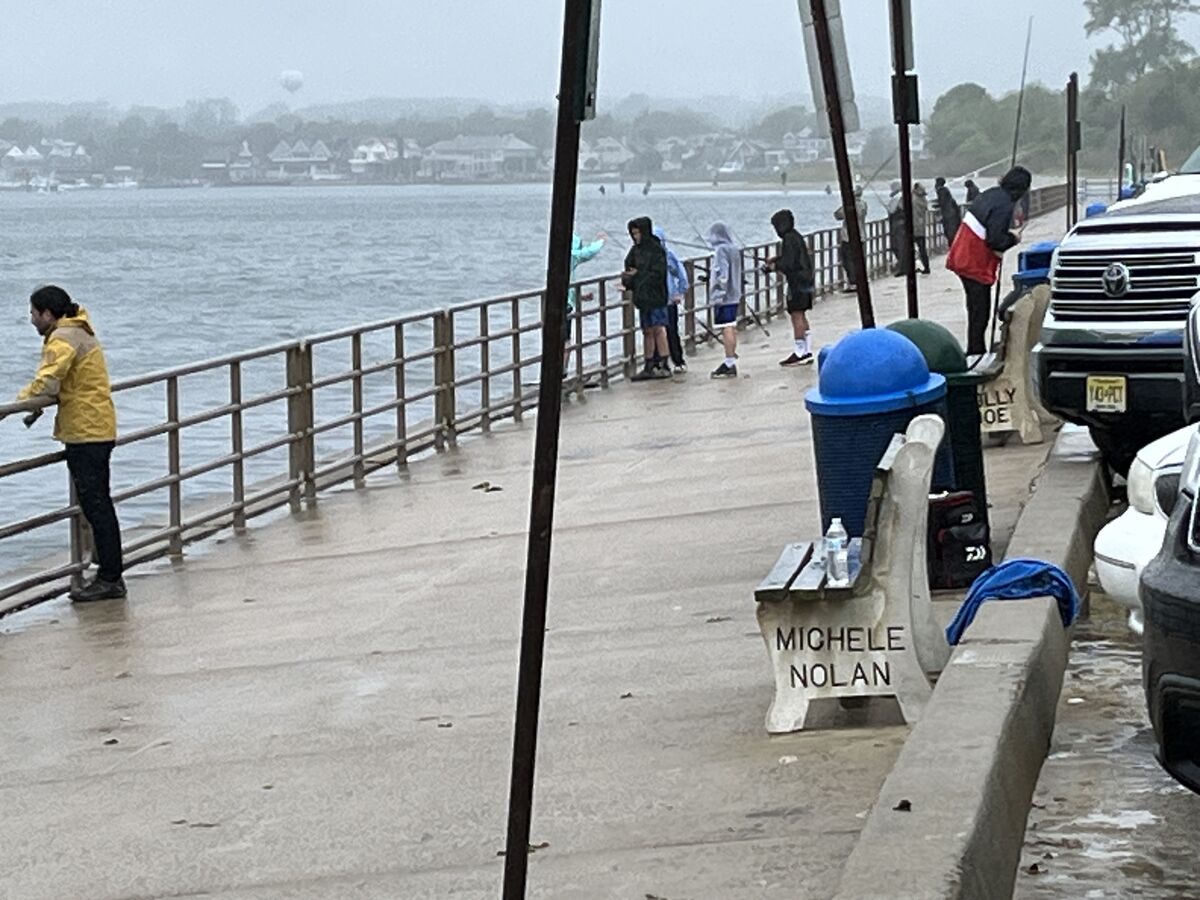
(724, 370)
(100, 590)
(663, 371)
(804, 359)
(645, 375)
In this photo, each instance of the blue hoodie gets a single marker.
(580, 253)
(725, 283)
(677, 280)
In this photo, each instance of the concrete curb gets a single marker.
(949, 821)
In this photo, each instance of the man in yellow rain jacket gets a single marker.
(73, 374)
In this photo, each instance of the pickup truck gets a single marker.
(1111, 353)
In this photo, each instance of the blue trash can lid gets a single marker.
(1095, 209)
(1044, 247)
(873, 371)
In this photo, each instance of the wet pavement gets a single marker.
(1106, 820)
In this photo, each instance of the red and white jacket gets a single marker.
(983, 237)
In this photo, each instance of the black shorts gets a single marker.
(799, 301)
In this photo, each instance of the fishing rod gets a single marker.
(1012, 164)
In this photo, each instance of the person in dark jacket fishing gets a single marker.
(897, 230)
(795, 264)
(972, 191)
(860, 208)
(947, 207)
(979, 246)
(646, 276)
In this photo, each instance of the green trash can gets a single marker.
(944, 354)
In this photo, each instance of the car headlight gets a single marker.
(1140, 487)
(1189, 478)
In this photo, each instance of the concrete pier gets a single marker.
(323, 707)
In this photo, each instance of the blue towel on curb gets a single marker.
(1016, 579)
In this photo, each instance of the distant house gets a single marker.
(480, 158)
(610, 154)
(745, 156)
(66, 159)
(301, 161)
(385, 160)
(21, 165)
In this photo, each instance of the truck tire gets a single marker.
(1118, 450)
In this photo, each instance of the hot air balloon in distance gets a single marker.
(291, 80)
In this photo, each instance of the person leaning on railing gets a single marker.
(73, 374)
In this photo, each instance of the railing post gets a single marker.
(443, 377)
(356, 384)
(80, 538)
(236, 442)
(628, 335)
(401, 407)
(299, 382)
(689, 308)
(517, 389)
(485, 368)
(602, 294)
(175, 488)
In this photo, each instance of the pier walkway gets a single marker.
(322, 707)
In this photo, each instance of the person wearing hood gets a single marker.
(725, 294)
(979, 246)
(972, 191)
(897, 229)
(677, 286)
(73, 374)
(795, 264)
(847, 261)
(645, 276)
(580, 253)
(947, 208)
(920, 204)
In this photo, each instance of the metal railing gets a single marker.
(299, 417)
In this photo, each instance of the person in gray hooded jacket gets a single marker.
(725, 294)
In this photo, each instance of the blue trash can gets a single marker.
(870, 385)
(1095, 209)
(1033, 265)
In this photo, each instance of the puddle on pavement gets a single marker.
(1107, 822)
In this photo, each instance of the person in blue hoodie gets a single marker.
(677, 286)
(725, 294)
(580, 253)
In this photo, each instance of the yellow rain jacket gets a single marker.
(73, 370)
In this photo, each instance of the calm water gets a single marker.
(175, 276)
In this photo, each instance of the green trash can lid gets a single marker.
(941, 349)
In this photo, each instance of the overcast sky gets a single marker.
(164, 52)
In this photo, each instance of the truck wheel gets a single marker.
(1118, 450)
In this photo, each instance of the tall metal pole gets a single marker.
(1121, 156)
(901, 101)
(578, 25)
(837, 135)
(1073, 149)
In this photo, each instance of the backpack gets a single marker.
(959, 547)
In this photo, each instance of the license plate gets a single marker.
(1106, 393)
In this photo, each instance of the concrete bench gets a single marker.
(877, 637)
(1007, 402)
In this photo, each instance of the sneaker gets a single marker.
(645, 375)
(663, 371)
(792, 361)
(681, 369)
(100, 590)
(850, 289)
(724, 370)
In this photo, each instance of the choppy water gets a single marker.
(171, 277)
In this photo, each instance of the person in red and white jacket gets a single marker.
(979, 245)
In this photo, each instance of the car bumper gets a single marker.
(1154, 377)
(1170, 593)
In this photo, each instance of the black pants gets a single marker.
(979, 312)
(923, 252)
(847, 260)
(673, 341)
(88, 465)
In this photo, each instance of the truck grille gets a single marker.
(1161, 285)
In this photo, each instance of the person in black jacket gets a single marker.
(978, 247)
(947, 207)
(972, 191)
(646, 276)
(795, 264)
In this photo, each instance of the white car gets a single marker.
(1126, 544)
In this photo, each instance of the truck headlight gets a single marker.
(1140, 487)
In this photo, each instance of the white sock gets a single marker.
(801, 346)
(808, 342)
(731, 362)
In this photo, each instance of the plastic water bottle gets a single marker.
(837, 555)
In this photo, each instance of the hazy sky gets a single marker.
(163, 52)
